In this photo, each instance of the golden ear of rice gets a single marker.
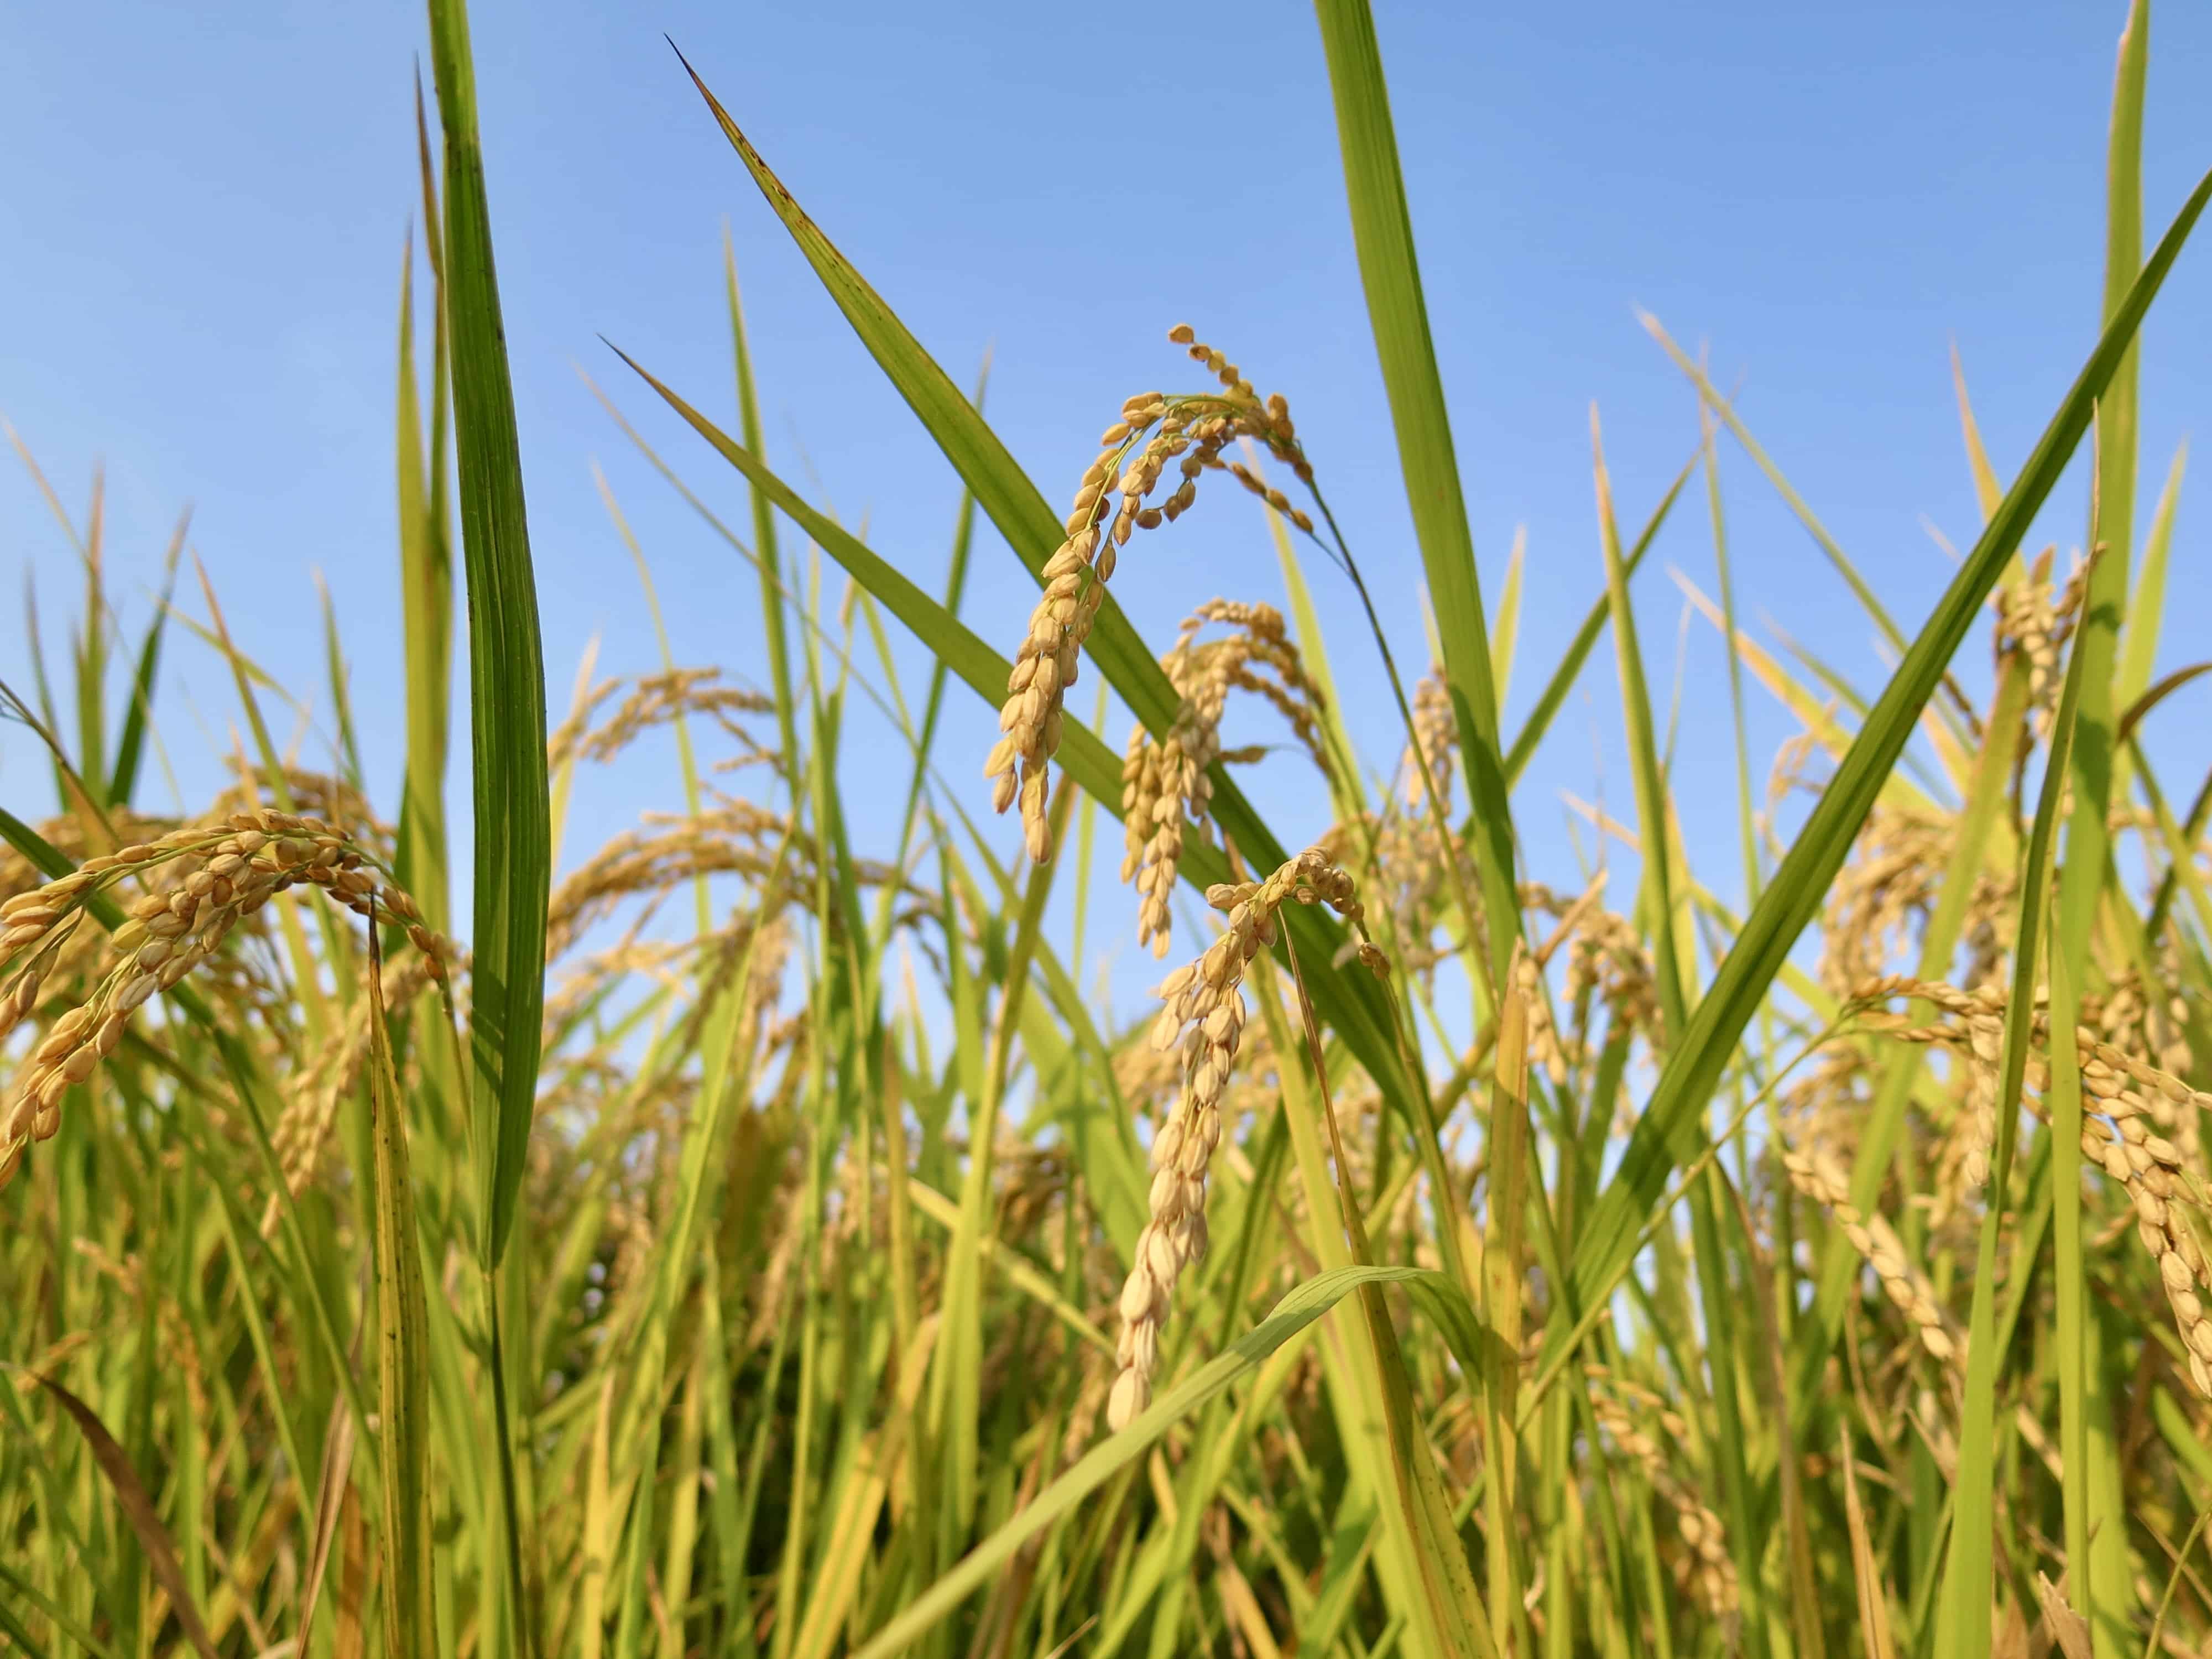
(1165, 786)
(1114, 499)
(219, 874)
(1203, 1013)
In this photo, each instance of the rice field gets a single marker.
(749, 1237)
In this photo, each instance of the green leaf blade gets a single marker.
(506, 673)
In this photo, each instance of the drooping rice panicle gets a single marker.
(1118, 496)
(1817, 1176)
(221, 873)
(1165, 788)
(1705, 1565)
(1204, 1016)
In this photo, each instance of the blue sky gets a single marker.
(206, 214)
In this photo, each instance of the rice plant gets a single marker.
(749, 1237)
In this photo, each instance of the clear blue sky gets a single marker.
(204, 211)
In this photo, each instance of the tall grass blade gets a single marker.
(1382, 232)
(1505, 1265)
(1002, 490)
(1505, 630)
(1655, 835)
(1988, 492)
(1567, 674)
(410, 1622)
(764, 548)
(2072, 1319)
(92, 649)
(1746, 829)
(426, 596)
(2147, 608)
(1971, 1589)
(512, 823)
(1711, 397)
(2102, 1583)
(131, 742)
(507, 672)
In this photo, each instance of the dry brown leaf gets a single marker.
(2067, 1627)
(137, 1506)
(330, 1492)
(1873, 1604)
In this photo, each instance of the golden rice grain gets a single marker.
(1204, 1015)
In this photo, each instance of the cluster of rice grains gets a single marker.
(1204, 1015)
(2036, 618)
(1120, 495)
(313, 1092)
(1609, 986)
(2133, 1113)
(1816, 1175)
(1587, 977)
(1413, 862)
(1166, 793)
(1622, 1409)
(653, 701)
(201, 880)
(1166, 799)
(1165, 786)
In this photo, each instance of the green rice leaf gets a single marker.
(1970, 1587)
(1002, 490)
(506, 672)
(1720, 405)
(1568, 672)
(2147, 608)
(130, 743)
(2100, 1579)
(1382, 232)
(764, 548)
(411, 1621)
(426, 592)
